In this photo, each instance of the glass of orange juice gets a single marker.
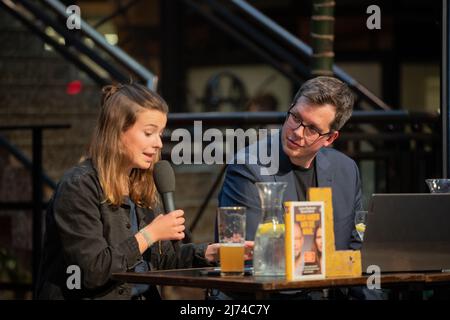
(231, 221)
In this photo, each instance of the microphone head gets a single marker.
(164, 177)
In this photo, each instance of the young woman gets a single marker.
(104, 216)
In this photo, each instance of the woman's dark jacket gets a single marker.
(83, 230)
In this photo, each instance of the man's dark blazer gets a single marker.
(333, 168)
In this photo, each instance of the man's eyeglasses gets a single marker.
(310, 133)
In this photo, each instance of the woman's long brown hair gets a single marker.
(120, 106)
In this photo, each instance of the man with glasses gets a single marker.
(319, 110)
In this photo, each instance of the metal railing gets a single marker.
(38, 177)
(108, 59)
(306, 51)
(272, 49)
(118, 54)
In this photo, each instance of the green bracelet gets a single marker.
(147, 236)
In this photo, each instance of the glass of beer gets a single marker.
(231, 222)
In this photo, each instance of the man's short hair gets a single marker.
(328, 90)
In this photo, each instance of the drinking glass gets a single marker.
(232, 240)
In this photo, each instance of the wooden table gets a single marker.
(263, 287)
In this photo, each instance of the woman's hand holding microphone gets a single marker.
(164, 227)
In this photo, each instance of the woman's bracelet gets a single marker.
(147, 236)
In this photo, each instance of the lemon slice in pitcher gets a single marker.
(360, 227)
(270, 228)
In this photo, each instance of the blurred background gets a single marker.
(231, 64)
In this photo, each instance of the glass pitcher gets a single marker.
(269, 255)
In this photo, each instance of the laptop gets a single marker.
(408, 233)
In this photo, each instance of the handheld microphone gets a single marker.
(164, 178)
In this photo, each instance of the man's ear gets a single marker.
(333, 136)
